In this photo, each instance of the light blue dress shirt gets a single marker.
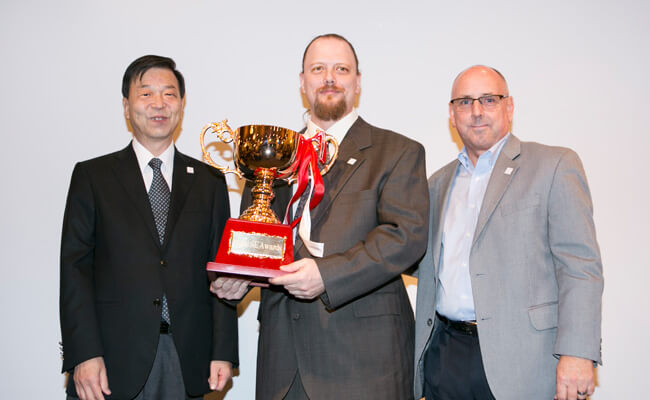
(454, 296)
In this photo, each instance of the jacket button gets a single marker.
(163, 263)
(429, 322)
(295, 316)
(156, 302)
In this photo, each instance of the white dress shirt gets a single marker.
(144, 156)
(338, 131)
(454, 295)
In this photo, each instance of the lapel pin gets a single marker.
(508, 171)
(351, 161)
(190, 170)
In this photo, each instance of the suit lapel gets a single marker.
(181, 183)
(356, 139)
(504, 170)
(443, 197)
(128, 173)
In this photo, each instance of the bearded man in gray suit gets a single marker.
(339, 325)
(509, 291)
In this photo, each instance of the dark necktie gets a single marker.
(159, 196)
(302, 201)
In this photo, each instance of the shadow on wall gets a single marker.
(455, 137)
(223, 152)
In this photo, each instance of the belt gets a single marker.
(164, 328)
(466, 327)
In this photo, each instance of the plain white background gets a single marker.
(578, 71)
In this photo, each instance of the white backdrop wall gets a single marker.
(578, 72)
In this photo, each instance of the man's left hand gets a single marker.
(303, 280)
(574, 374)
(220, 374)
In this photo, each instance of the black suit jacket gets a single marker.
(114, 272)
(356, 340)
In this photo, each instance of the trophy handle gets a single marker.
(328, 140)
(226, 135)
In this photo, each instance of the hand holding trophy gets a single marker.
(256, 244)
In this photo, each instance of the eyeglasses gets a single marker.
(489, 102)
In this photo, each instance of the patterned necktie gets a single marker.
(159, 196)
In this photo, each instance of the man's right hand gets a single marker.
(90, 379)
(229, 288)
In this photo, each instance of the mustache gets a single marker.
(330, 87)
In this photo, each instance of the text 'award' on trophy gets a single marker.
(256, 244)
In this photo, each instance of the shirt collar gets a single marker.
(338, 130)
(489, 156)
(144, 156)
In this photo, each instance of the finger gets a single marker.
(293, 267)
(215, 286)
(96, 391)
(560, 392)
(212, 381)
(222, 380)
(103, 382)
(572, 391)
(242, 285)
(591, 389)
(85, 388)
(279, 280)
(226, 374)
(80, 390)
(237, 289)
(226, 284)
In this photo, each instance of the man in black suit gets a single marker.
(339, 325)
(137, 318)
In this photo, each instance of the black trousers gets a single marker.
(453, 369)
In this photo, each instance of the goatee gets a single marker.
(332, 112)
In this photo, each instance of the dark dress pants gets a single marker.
(453, 369)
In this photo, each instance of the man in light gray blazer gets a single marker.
(509, 291)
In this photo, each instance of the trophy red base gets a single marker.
(253, 249)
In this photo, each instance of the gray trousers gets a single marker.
(165, 381)
(296, 390)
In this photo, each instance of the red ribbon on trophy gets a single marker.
(307, 160)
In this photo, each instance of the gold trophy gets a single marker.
(256, 244)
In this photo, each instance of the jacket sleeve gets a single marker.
(576, 256)
(224, 315)
(396, 243)
(79, 328)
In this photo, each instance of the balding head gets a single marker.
(484, 71)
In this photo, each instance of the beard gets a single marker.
(330, 112)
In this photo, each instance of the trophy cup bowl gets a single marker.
(261, 151)
(256, 243)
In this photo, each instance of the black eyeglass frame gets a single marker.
(480, 99)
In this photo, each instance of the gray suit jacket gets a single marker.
(535, 269)
(356, 340)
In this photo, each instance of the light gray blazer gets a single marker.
(535, 269)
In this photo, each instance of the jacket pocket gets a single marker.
(543, 316)
(529, 205)
(356, 197)
(375, 305)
